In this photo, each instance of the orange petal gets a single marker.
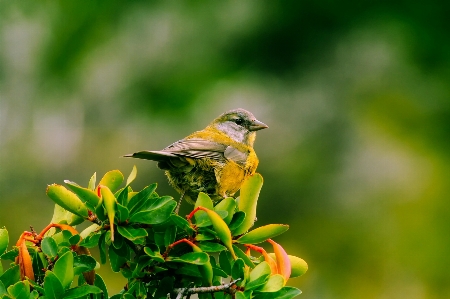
(283, 261)
(25, 264)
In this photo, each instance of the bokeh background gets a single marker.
(357, 156)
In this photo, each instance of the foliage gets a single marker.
(160, 253)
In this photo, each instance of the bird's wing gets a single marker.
(196, 148)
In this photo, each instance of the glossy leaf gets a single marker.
(196, 258)
(203, 200)
(284, 293)
(91, 241)
(225, 260)
(181, 223)
(115, 259)
(92, 181)
(238, 219)
(263, 233)
(243, 256)
(138, 201)
(155, 255)
(237, 270)
(122, 212)
(4, 240)
(20, 290)
(158, 212)
(10, 276)
(88, 230)
(229, 205)
(85, 194)
(211, 246)
(83, 263)
(112, 179)
(207, 221)
(102, 286)
(67, 199)
(132, 233)
(81, 291)
(248, 201)
(132, 175)
(52, 286)
(49, 246)
(260, 270)
(2, 289)
(169, 235)
(274, 284)
(64, 269)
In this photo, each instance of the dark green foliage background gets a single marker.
(356, 96)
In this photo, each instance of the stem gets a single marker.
(228, 288)
(177, 209)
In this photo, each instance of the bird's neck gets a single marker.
(237, 133)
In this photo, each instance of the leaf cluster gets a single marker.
(160, 253)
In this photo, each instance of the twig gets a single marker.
(177, 209)
(222, 288)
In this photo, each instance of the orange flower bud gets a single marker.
(283, 261)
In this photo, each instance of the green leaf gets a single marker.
(248, 201)
(64, 269)
(158, 212)
(169, 235)
(181, 223)
(237, 220)
(83, 263)
(20, 290)
(86, 195)
(81, 291)
(243, 256)
(196, 258)
(61, 215)
(189, 270)
(49, 246)
(237, 270)
(203, 200)
(34, 295)
(263, 233)
(112, 179)
(2, 289)
(260, 270)
(67, 199)
(137, 201)
(122, 196)
(132, 233)
(227, 204)
(115, 260)
(225, 261)
(10, 255)
(132, 175)
(207, 222)
(155, 255)
(91, 184)
(101, 285)
(240, 295)
(257, 282)
(211, 246)
(11, 276)
(284, 293)
(122, 212)
(274, 284)
(4, 240)
(219, 272)
(52, 286)
(91, 241)
(74, 240)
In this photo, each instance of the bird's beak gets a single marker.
(257, 125)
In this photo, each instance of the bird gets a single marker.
(215, 160)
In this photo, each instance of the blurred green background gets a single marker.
(357, 156)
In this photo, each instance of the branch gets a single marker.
(222, 288)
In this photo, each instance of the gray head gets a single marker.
(239, 124)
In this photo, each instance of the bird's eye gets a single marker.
(239, 121)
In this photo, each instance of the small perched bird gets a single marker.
(215, 160)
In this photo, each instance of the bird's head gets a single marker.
(240, 124)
